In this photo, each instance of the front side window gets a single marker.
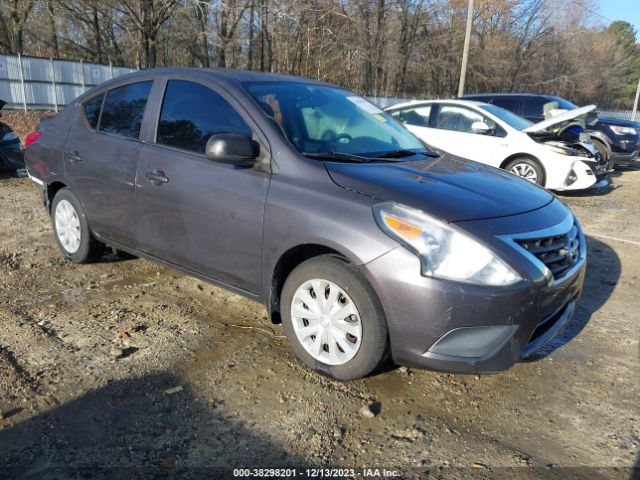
(191, 113)
(508, 103)
(461, 119)
(124, 108)
(416, 116)
(92, 110)
(319, 119)
(533, 107)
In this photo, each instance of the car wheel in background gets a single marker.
(527, 168)
(333, 318)
(71, 229)
(602, 149)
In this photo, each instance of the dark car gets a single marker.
(11, 155)
(616, 140)
(316, 203)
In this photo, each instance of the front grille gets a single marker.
(559, 253)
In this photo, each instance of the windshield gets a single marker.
(319, 119)
(508, 117)
(563, 104)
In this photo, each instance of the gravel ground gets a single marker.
(126, 368)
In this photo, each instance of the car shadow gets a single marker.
(134, 429)
(603, 272)
(594, 191)
(6, 175)
(620, 169)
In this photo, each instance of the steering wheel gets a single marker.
(342, 136)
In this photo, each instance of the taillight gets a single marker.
(32, 137)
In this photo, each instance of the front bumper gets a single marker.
(578, 175)
(455, 327)
(624, 158)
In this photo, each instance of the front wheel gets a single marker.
(333, 318)
(72, 230)
(527, 168)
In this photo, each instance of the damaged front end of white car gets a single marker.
(562, 133)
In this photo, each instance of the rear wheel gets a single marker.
(333, 318)
(527, 168)
(72, 230)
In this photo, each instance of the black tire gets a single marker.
(539, 169)
(602, 149)
(374, 344)
(89, 249)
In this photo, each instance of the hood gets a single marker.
(619, 121)
(449, 188)
(564, 117)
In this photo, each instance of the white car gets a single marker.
(489, 134)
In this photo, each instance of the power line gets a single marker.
(580, 4)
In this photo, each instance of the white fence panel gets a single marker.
(43, 83)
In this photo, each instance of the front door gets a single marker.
(201, 215)
(455, 133)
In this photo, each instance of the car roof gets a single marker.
(422, 102)
(227, 75)
(475, 95)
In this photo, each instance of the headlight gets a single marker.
(618, 130)
(443, 250)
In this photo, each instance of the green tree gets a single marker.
(625, 62)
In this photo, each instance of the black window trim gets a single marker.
(146, 105)
(84, 113)
(217, 89)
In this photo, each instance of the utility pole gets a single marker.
(635, 102)
(465, 52)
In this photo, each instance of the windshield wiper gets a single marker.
(345, 157)
(406, 153)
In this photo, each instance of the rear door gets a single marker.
(198, 214)
(101, 155)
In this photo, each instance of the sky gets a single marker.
(628, 10)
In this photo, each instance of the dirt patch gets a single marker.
(89, 352)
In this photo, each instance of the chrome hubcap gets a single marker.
(67, 226)
(326, 321)
(525, 171)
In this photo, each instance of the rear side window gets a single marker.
(92, 110)
(124, 108)
(191, 113)
(533, 107)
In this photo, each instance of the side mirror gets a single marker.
(481, 128)
(232, 148)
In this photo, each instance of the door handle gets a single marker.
(157, 177)
(74, 157)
